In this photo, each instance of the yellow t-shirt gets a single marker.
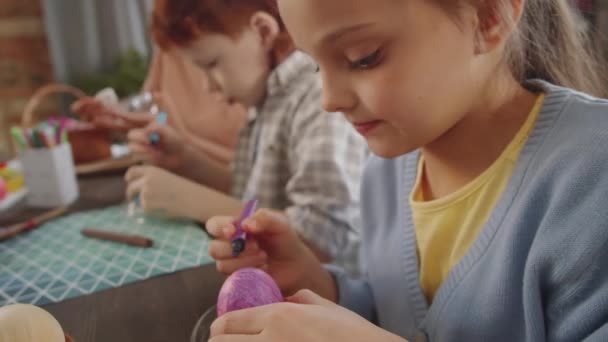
(448, 226)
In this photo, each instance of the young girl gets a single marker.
(484, 214)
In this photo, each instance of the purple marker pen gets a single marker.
(240, 236)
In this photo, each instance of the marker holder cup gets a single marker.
(50, 176)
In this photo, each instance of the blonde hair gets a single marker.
(550, 42)
(553, 43)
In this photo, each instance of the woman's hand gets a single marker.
(95, 112)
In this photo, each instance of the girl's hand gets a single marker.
(306, 317)
(274, 246)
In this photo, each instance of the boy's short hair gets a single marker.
(177, 23)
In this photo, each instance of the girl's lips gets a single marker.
(365, 128)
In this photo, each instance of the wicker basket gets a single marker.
(89, 143)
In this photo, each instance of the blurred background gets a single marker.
(93, 44)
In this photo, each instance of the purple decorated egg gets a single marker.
(247, 288)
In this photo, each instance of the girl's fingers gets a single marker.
(232, 265)
(222, 249)
(221, 227)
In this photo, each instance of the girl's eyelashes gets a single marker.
(211, 64)
(368, 61)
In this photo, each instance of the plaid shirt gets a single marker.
(293, 156)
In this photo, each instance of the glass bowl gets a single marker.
(202, 329)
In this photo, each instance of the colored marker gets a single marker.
(19, 137)
(44, 143)
(49, 134)
(12, 231)
(240, 236)
(27, 133)
(37, 139)
(57, 132)
(161, 119)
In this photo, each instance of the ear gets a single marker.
(267, 28)
(496, 21)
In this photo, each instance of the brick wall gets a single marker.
(25, 62)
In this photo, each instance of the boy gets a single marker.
(291, 155)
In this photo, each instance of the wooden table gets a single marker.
(163, 308)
